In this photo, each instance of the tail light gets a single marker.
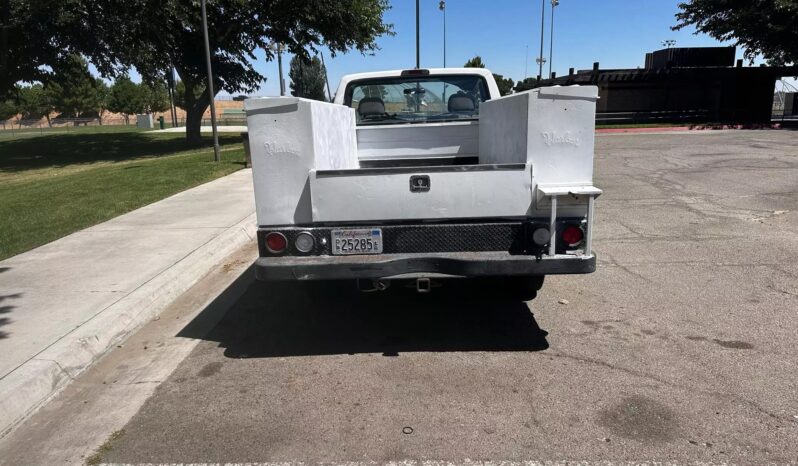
(572, 236)
(276, 242)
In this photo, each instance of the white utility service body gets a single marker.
(424, 173)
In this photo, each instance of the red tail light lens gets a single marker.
(572, 235)
(276, 242)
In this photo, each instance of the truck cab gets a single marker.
(425, 175)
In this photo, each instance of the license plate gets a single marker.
(357, 241)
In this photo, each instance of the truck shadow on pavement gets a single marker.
(279, 320)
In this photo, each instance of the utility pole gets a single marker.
(418, 39)
(170, 87)
(554, 4)
(211, 94)
(442, 7)
(326, 78)
(278, 47)
(280, 68)
(540, 58)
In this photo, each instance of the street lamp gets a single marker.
(278, 47)
(668, 43)
(216, 156)
(442, 7)
(540, 60)
(554, 4)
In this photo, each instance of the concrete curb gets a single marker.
(37, 380)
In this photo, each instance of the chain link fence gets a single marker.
(66, 125)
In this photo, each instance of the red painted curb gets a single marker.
(685, 128)
(643, 130)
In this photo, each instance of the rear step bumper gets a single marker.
(458, 264)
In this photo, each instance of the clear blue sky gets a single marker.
(616, 33)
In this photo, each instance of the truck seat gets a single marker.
(370, 106)
(462, 103)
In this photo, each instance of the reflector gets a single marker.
(541, 236)
(304, 242)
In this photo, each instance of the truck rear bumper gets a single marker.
(455, 264)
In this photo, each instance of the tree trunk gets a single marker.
(195, 109)
(194, 125)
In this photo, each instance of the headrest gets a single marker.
(371, 106)
(462, 103)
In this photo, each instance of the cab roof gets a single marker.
(484, 72)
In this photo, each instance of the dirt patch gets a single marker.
(210, 369)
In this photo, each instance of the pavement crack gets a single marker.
(611, 260)
(645, 375)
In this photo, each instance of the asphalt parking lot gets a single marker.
(680, 347)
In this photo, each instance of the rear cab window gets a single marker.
(416, 99)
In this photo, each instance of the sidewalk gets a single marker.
(204, 129)
(64, 304)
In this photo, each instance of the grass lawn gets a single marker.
(54, 184)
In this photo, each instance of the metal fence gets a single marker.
(687, 116)
(74, 124)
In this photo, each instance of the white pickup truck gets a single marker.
(425, 175)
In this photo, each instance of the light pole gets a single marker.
(540, 58)
(418, 39)
(442, 7)
(278, 47)
(216, 156)
(668, 43)
(280, 68)
(540, 61)
(170, 84)
(554, 3)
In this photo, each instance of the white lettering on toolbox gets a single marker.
(274, 148)
(552, 138)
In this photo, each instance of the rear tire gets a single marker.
(524, 287)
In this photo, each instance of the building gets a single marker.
(681, 84)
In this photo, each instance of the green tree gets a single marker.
(526, 84)
(34, 103)
(168, 33)
(156, 97)
(505, 84)
(125, 97)
(475, 62)
(763, 27)
(30, 41)
(8, 109)
(308, 78)
(180, 94)
(102, 91)
(74, 92)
